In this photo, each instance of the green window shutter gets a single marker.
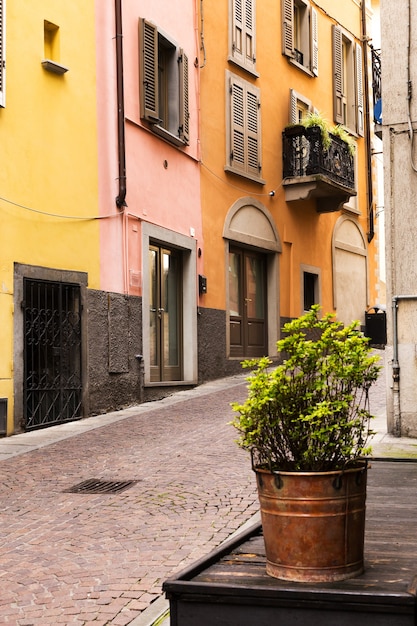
(2, 53)
(288, 28)
(237, 116)
(253, 134)
(184, 130)
(314, 43)
(148, 63)
(359, 90)
(337, 76)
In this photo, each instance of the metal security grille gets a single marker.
(52, 353)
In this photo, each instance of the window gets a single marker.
(163, 84)
(51, 61)
(300, 34)
(299, 107)
(347, 82)
(242, 40)
(244, 128)
(310, 277)
(2, 53)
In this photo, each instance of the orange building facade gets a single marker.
(282, 227)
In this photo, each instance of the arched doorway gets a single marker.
(350, 270)
(252, 282)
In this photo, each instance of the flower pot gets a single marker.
(313, 523)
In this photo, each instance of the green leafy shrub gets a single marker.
(317, 119)
(311, 412)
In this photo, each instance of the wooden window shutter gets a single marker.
(253, 134)
(337, 76)
(237, 116)
(148, 63)
(237, 31)
(293, 107)
(250, 33)
(2, 53)
(314, 42)
(184, 129)
(243, 32)
(288, 28)
(359, 90)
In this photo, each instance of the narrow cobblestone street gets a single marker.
(101, 559)
(96, 559)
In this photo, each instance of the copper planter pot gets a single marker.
(313, 523)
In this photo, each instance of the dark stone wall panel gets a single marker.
(115, 374)
(212, 360)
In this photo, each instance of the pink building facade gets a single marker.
(151, 233)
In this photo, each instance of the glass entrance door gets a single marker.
(247, 303)
(165, 314)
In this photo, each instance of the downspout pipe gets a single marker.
(367, 127)
(396, 364)
(121, 143)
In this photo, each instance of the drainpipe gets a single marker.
(367, 125)
(121, 197)
(396, 365)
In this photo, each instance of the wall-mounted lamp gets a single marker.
(202, 284)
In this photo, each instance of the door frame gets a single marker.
(152, 233)
(249, 224)
(34, 272)
(161, 370)
(244, 318)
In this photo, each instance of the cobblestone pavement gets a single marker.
(83, 559)
(92, 560)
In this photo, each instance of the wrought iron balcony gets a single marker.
(314, 172)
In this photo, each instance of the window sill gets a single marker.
(303, 68)
(247, 69)
(52, 66)
(255, 179)
(165, 134)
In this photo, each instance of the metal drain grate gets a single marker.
(94, 485)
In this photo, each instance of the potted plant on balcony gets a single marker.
(317, 120)
(306, 422)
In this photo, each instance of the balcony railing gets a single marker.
(312, 171)
(305, 155)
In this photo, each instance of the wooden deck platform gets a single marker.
(231, 588)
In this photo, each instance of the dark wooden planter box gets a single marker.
(231, 588)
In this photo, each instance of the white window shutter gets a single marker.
(148, 55)
(359, 90)
(288, 28)
(314, 42)
(184, 130)
(337, 75)
(2, 53)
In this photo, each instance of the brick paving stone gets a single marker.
(102, 559)
(96, 560)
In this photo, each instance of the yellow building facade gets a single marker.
(277, 241)
(48, 186)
